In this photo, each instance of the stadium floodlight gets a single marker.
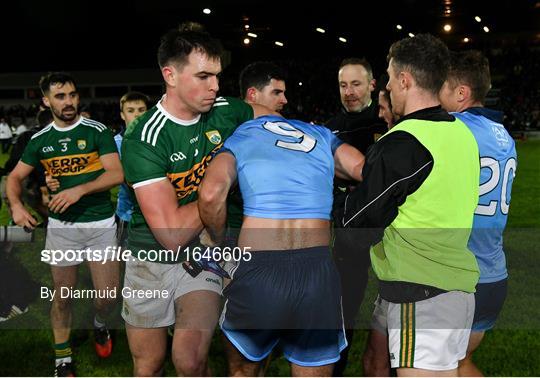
(486, 29)
(399, 27)
(344, 40)
(252, 35)
(207, 11)
(246, 41)
(246, 26)
(299, 83)
(278, 43)
(466, 40)
(447, 27)
(321, 30)
(478, 19)
(411, 35)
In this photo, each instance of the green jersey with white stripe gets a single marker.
(158, 145)
(71, 155)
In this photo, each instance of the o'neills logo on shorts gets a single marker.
(72, 164)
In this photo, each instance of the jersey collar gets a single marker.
(62, 129)
(179, 121)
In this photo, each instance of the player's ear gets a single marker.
(46, 101)
(372, 85)
(405, 80)
(169, 75)
(122, 116)
(251, 95)
(464, 93)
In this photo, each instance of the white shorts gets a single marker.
(432, 334)
(150, 290)
(71, 243)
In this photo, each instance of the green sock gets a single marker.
(62, 352)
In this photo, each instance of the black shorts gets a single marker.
(288, 297)
(489, 299)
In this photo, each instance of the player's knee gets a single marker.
(61, 304)
(147, 371)
(190, 364)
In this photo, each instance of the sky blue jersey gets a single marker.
(124, 205)
(285, 168)
(498, 160)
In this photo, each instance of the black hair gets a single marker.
(258, 75)
(425, 57)
(471, 68)
(53, 78)
(178, 43)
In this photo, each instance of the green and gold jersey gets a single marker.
(71, 155)
(158, 145)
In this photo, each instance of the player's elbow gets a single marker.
(211, 194)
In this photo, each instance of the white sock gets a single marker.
(60, 361)
(97, 323)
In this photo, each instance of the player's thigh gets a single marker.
(238, 365)
(147, 345)
(474, 341)
(64, 276)
(410, 372)
(197, 313)
(198, 310)
(105, 275)
(311, 371)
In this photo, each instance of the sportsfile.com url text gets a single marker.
(235, 254)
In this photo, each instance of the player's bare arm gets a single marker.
(20, 215)
(348, 162)
(218, 179)
(113, 175)
(172, 224)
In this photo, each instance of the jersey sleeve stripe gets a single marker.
(94, 126)
(99, 124)
(156, 124)
(158, 131)
(48, 128)
(148, 123)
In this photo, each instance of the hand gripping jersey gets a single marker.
(498, 161)
(71, 155)
(158, 145)
(285, 168)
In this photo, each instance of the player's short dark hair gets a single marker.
(470, 68)
(134, 96)
(53, 78)
(358, 62)
(258, 75)
(178, 43)
(425, 57)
